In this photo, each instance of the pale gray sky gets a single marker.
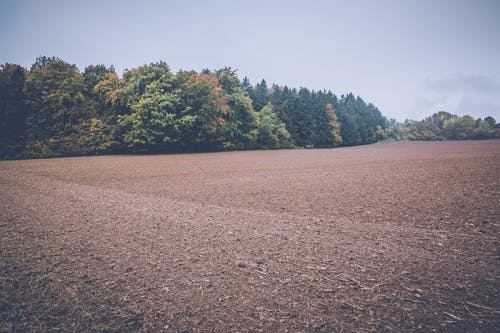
(410, 58)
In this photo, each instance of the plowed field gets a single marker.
(390, 237)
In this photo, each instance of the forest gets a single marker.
(54, 109)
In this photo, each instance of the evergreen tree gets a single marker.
(260, 95)
(12, 110)
(228, 79)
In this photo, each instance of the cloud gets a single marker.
(478, 108)
(459, 82)
(473, 94)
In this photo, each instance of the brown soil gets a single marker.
(390, 237)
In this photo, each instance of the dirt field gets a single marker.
(391, 237)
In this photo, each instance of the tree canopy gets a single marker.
(54, 109)
(446, 126)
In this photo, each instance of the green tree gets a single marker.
(272, 132)
(93, 74)
(107, 92)
(491, 121)
(430, 128)
(260, 95)
(460, 128)
(286, 104)
(55, 93)
(151, 125)
(204, 111)
(359, 121)
(151, 100)
(349, 113)
(228, 79)
(136, 80)
(241, 122)
(484, 129)
(12, 110)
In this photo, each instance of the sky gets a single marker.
(410, 58)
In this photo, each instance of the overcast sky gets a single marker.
(409, 58)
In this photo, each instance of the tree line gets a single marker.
(53, 109)
(446, 126)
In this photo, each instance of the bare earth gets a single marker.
(391, 237)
